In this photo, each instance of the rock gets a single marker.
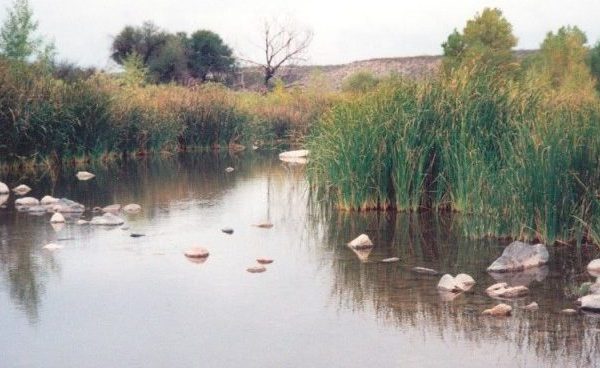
(390, 260)
(595, 288)
(136, 235)
(82, 222)
(132, 208)
(501, 310)
(227, 230)
(256, 269)
(425, 271)
(65, 205)
(57, 218)
(594, 266)
(229, 169)
(590, 303)
(125, 227)
(57, 226)
(4, 188)
(22, 189)
(501, 290)
(361, 242)
(464, 281)
(533, 306)
(294, 154)
(3, 199)
(52, 246)
(362, 254)
(27, 202)
(196, 252)
(108, 219)
(266, 225)
(113, 208)
(84, 175)
(264, 260)
(447, 283)
(568, 311)
(295, 160)
(520, 256)
(48, 200)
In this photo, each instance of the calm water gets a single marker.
(109, 300)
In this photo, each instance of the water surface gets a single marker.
(109, 300)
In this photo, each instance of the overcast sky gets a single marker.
(344, 30)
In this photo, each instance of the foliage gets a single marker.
(360, 82)
(135, 74)
(209, 55)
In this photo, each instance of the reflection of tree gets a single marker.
(399, 297)
(23, 267)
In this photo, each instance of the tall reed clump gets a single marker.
(500, 152)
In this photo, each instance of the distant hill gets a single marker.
(334, 75)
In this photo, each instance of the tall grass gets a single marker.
(503, 153)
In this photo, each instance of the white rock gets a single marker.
(3, 198)
(590, 302)
(132, 208)
(361, 242)
(594, 265)
(496, 287)
(264, 260)
(295, 160)
(229, 169)
(57, 226)
(48, 200)
(65, 205)
(424, 270)
(52, 246)
(501, 290)
(294, 154)
(4, 188)
(464, 281)
(196, 252)
(27, 202)
(57, 218)
(36, 210)
(113, 208)
(568, 311)
(533, 306)
(519, 256)
(447, 283)
(390, 260)
(84, 175)
(256, 269)
(82, 222)
(22, 189)
(108, 219)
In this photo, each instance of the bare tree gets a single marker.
(283, 44)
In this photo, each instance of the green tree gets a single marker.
(208, 55)
(146, 41)
(169, 64)
(594, 63)
(563, 56)
(360, 82)
(17, 35)
(487, 38)
(135, 73)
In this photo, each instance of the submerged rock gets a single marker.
(108, 219)
(390, 260)
(256, 269)
(22, 189)
(137, 235)
(66, 205)
(519, 256)
(113, 208)
(4, 188)
(229, 169)
(84, 175)
(264, 260)
(361, 242)
(525, 277)
(48, 200)
(568, 311)
(500, 310)
(132, 208)
(82, 222)
(196, 252)
(425, 271)
(502, 290)
(57, 218)
(533, 306)
(294, 154)
(35, 210)
(27, 202)
(52, 246)
(227, 230)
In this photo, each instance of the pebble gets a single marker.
(256, 269)
(227, 230)
(264, 260)
(196, 252)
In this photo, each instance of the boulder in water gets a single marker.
(256, 269)
(82, 222)
(594, 267)
(48, 200)
(27, 202)
(424, 271)
(361, 242)
(66, 205)
(113, 208)
(84, 175)
(108, 219)
(264, 260)
(501, 310)
(57, 218)
(390, 260)
(264, 225)
(52, 246)
(132, 208)
(229, 169)
(227, 230)
(519, 256)
(4, 188)
(590, 303)
(502, 290)
(294, 154)
(462, 282)
(22, 189)
(196, 252)
(533, 306)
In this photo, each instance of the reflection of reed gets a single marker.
(401, 298)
